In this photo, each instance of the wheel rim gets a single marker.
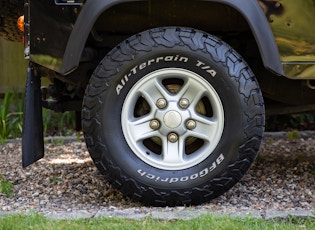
(172, 119)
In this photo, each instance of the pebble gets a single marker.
(281, 179)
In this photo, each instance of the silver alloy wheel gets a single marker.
(172, 129)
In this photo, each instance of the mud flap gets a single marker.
(32, 136)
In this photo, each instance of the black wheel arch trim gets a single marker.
(249, 9)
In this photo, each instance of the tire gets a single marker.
(173, 116)
(10, 11)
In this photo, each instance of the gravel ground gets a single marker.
(66, 184)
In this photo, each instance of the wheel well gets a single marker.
(121, 21)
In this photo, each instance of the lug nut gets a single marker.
(184, 103)
(172, 137)
(154, 124)
(191, 124)
(161, 103)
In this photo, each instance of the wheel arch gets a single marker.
(249, 9)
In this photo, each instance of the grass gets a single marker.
(36, 221)
(6, 187)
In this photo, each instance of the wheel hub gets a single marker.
(172, 119)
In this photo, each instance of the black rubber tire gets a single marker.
(10, 11)
(221, 67)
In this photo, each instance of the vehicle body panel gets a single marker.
(58, 44)
(249, 9)
(295, 37)
(282, 29)
(47, 31)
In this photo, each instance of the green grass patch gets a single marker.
(6, 187)
(36, 221)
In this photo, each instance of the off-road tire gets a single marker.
(162, 58)
(10, 11)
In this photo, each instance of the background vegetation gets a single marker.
(11, 119)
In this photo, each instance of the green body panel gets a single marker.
(293, 28)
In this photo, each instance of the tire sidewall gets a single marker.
(225, 153)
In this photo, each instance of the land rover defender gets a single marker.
(171, 94)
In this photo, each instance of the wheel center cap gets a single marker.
(172, 119)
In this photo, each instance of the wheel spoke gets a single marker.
(153, 92)
(140, 128)
(191, 91)
(206, 129)
(172, 152)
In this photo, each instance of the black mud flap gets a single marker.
(32, 136)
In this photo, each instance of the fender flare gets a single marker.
(249, 9)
